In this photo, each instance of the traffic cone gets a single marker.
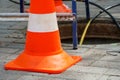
(61, 7)
(43, 51)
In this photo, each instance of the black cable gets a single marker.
(114, 20)
(107, 8)
(91, 20)
(110, 7)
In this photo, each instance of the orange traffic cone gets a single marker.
(43, 51)
(61, 7)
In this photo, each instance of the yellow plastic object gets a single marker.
(84, 32)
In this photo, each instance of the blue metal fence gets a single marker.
(74, 23)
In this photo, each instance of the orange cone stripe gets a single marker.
(42, 6)
(42, 22)
(44, 43)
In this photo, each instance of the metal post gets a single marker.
(21, 6)
(74, 24)
(87, 9)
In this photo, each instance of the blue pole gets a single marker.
(87, 9)
(74, 24)
(21, 6)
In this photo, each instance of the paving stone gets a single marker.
(104, 77)
(7, 40)
(1, 65)
(113, 53)
(4, 26)
(29, 78)
(69, 49)
(3, 55)
(9, 77)
(111, 58)
(9, 31)
(39, 78)
(85, 62)
(7, 6)
(8, 50)
(114, 72)
(12, 40)
(18, 26)
(106, 64)
(10, 74)
(108, 47)
(14, 56)
(79, 51)
(13, 25)
(108, 77)
(77, 75)
(90, 77)
(92, 70)
(16, 46)
(90, 46)
(93, 54)
(69, 75)
(13, 35)
(114, 78)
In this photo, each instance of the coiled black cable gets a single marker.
(107, 8)
(104, 10)
(91, 20)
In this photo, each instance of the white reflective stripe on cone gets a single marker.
(42, 22)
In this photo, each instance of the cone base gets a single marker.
(46, 64)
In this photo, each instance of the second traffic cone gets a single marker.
(61, 7)
(43, 51)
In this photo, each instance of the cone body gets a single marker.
(43, 51)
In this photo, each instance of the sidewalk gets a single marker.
(97, 64)
(101, 57)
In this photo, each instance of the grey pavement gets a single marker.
(101, 57)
